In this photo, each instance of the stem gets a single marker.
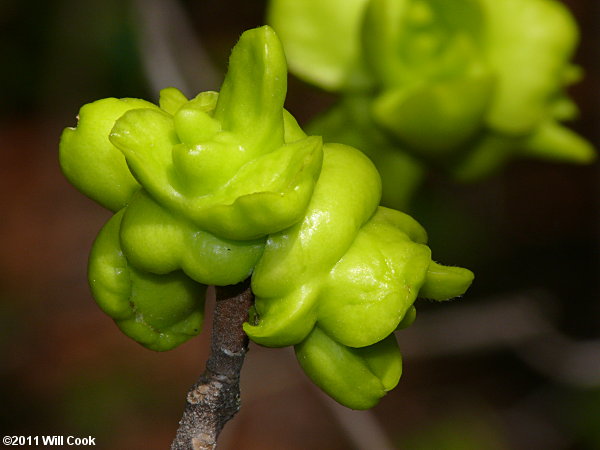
(215, 398)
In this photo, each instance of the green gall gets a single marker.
(227, 186)
(465, 85)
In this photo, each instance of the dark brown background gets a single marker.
(477, 381)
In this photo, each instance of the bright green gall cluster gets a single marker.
(462, 84)
(198, 185)
(226, 186)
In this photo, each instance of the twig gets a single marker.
(215, 398)
(172, 53)
(519, 322)
(362, 428)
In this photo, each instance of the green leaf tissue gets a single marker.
(227, 186)
(463, 85)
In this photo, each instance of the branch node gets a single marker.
(232, 354)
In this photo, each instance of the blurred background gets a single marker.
(514, 364)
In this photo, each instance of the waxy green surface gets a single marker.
(226, 186)
(464, 85)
